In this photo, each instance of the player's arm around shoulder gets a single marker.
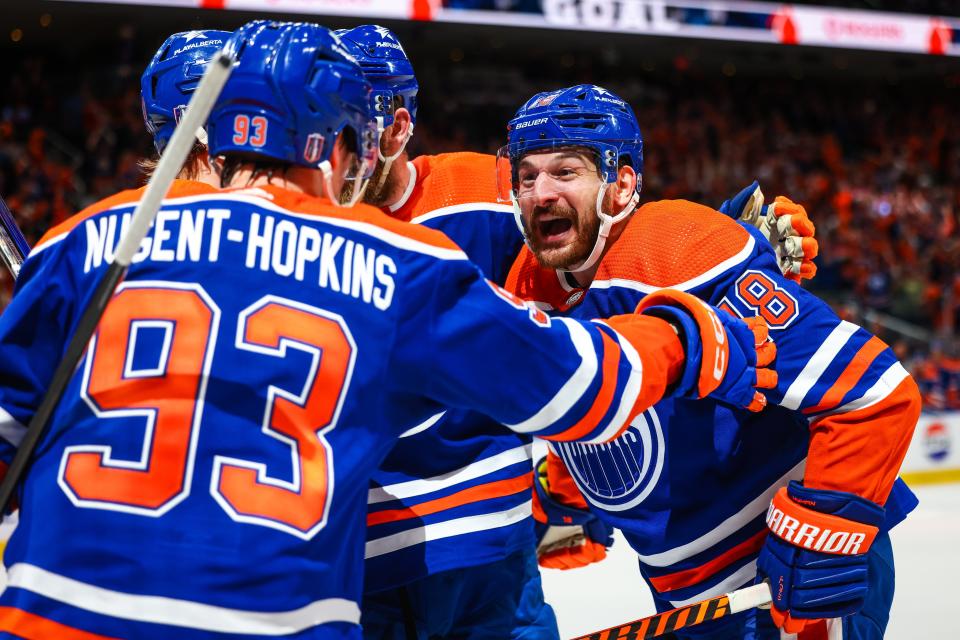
(861, 407)
(558, 378)
(846, 383)
(669, 255)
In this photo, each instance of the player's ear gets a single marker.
(625, 186)
(215, 163)
(397, 133)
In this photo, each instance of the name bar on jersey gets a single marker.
(271, 243)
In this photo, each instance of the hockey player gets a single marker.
(450, 540)
(206, 471)
(695, 486)
(449, 509)
(165, 89)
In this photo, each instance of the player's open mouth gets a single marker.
(553, 229)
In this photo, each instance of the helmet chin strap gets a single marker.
(518, 218)
(388, 160)
(606, 225)
(327, 169)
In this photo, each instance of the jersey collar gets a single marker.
(406, 194)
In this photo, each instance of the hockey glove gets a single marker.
(567, 537)
(726, 357)
(786, 226)
(816, 555)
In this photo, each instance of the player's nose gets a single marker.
(544, 189)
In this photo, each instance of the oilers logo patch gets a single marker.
(620, 474)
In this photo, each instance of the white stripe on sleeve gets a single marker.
(573, 389)
(882, 388)
(447, 529)
(817, 364)
(686, 285)
(471, 471)
(728, 527)
(466, 207)
(423, 426)
(628, 397)
(10, 429)
(180, 613)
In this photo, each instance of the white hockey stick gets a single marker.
(172, 159)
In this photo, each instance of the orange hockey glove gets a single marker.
(726, 357)
(786, 226)
(797, 245)
(568, 536)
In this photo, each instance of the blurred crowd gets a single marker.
(69, 136)
(878, 174)
(876, 168)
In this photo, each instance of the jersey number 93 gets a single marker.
(169, 394)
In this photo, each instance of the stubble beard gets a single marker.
(569, 255)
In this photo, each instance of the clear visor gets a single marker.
(360, 166)
(544, 169)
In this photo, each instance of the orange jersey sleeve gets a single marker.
(860, 450)
(562, 486)
(461, 179)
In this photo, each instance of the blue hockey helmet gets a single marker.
(584, 116)
(172, 75)
(385, 63)
(293, 91)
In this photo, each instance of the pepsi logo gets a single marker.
(936, 441)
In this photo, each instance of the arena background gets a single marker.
(849, 109)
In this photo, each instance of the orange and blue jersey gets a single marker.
(456, 193)
(206, 472)
(455, 492)
(689, 482)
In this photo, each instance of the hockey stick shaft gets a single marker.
(13, 246)
(172, 159)
(757, 595)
